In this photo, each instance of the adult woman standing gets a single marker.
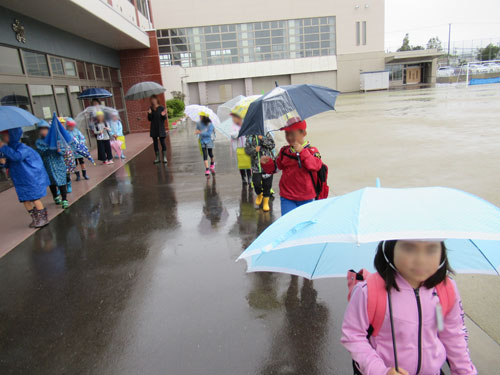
(157, 115)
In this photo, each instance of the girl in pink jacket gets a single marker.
(420, 337)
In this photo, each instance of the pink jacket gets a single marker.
(375, 356)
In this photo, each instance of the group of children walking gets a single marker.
(32, 170)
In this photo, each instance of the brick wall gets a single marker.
(138, 65)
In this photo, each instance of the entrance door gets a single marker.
(413, 75)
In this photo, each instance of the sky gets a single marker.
(423, 19)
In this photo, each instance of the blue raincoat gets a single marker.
(26, 168)
(53, 162)
(207, 134)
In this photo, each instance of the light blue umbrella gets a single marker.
(14, 117)
(328, 237)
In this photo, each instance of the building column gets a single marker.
(139, 65)
(248, 87)
(202, 88)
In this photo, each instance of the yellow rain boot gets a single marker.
(258, 200)
(265, 206)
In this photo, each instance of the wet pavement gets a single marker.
(139, 276)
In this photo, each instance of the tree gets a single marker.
(434, 43)
(490, 52)
(406, 44)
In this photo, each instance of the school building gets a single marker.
(53, 49)
(212, 51)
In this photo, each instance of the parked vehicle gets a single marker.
(478, 68)
(492, 67)
(445, 71)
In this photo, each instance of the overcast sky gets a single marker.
(423, 19)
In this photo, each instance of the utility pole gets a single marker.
(449, 37)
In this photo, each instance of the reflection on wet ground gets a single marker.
(139, 276)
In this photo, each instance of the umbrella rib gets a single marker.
(319, 258)
(485, 257)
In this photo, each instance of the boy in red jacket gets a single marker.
(297, 161)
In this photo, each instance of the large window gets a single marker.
(44, 103)
(57, 66)
(248, 42)
(11, 64)
(35, 63)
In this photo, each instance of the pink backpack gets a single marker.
(377, 296)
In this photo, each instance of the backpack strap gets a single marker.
(446, 294)
(377, 302)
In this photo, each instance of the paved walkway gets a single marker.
(14, 218)
(138, 277)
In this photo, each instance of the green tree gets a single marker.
(434, 43)
(417, 48)
(490, 52)
(406, 44)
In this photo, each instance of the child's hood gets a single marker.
(15, 136)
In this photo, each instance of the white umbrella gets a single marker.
(193, 112)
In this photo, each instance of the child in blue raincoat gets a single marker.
(27, 173)
(206, 133)
(55, 166)
(80, 138)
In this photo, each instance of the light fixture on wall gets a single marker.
(367, 6)
(356, 6)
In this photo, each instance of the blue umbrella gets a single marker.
(326, 238)
(14, 117)
(287, 104)
(94, 93)
(58, 137)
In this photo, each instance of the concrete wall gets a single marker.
(221, 91)
(328, 79)
(139, 65)
(189, 13)
(349, 67)
(265, 84)
(45, 38)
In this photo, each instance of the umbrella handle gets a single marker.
(392, 333)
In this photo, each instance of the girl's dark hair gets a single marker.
(154, 97)
(205, 120)
(389, 274)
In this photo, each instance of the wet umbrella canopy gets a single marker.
(144, 90)
(94, 93)
(283, 104)
(15, 100)
(13, 117)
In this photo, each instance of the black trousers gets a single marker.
(262, 185)
(207, 152)
(62, 189)
(248, 173)
(104, 150)
(162, 141)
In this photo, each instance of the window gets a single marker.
(69, 68)
(36, 63)
(364, 33)
(81, 70)
(76, 104)
(98, 72)
(358, 34)
(11, 64)
(56, 64)
(90, 71)
(63, 107)
(248, 42)
(44, 104)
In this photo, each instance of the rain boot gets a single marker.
(68, 187)
(157, 160)
(84, 173)
(77, 175)
(41, 219)
(65, 204)
(258, 200)
(164, 157)
(57, 200)
(265, 205)
(33, 214)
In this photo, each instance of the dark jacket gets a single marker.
(157, 128)
(266, 149)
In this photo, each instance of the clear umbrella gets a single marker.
(144, 90)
